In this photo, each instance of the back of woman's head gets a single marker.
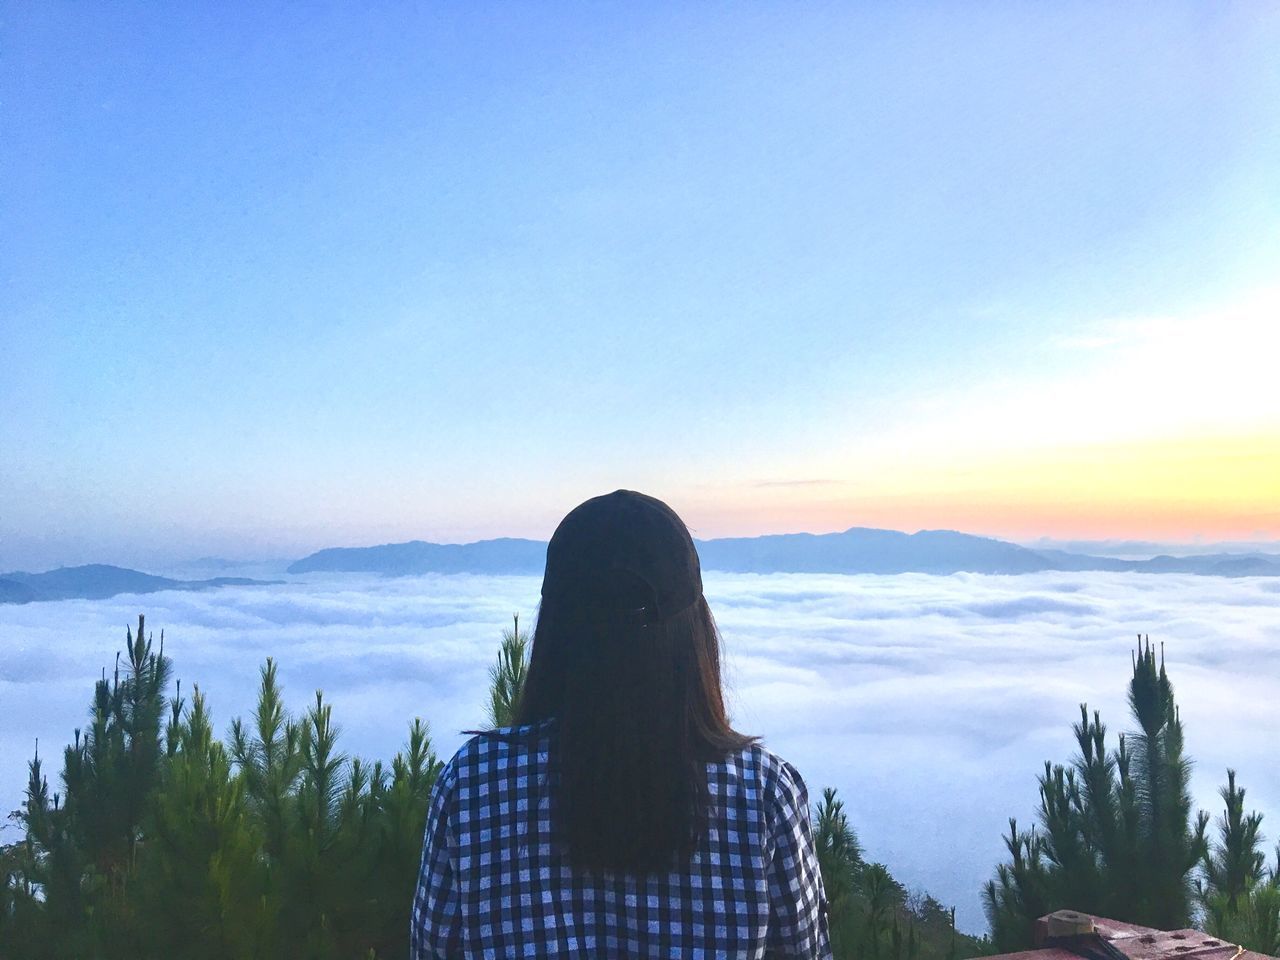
(626, 659)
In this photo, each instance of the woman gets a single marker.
(621, 816)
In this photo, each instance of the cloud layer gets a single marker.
(930, 702)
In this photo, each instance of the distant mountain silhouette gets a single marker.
(1210, 564)
(504, 555)
(11, 591)
(1230, 565)
(1136, 549)
(857, 550)
(866, 550)
(97, 581)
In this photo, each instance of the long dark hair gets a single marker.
(639, 712)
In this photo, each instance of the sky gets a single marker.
(280, 277)
(930, 703)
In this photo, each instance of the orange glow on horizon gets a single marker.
(1215, 488)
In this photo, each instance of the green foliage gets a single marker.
(167, 842)
(1241, 901)
(275, 845)
(840, 858)
(201, 872)
(1235, 864)
(1260, 926)
(1117, 837)
(82, 848)
(870, 913)
(506, 677)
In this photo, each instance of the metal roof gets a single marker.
(1129, 939)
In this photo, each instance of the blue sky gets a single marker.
(280, 278)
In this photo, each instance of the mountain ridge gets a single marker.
(855, 550)
(99, 581)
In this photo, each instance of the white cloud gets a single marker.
(930, 702)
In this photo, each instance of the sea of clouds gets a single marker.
(930, 702)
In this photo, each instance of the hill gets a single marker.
(97, 581)
(856, 550)
(867, 550)
(504, 555)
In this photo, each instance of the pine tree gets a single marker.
(840, 859)
(201, 882)
(1173, 842)
(1020, 890)
(506, 677)
(1117, 836)
(1241, 903)
(340, 843)
(1262, 920)
(1234, 865)
(883, 896)
(274, 846)
(21, 910)
(395, 857)
(84, 843)
(269, 760)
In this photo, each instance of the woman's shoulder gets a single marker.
(783, 796)
(498, 748)
(776, 778)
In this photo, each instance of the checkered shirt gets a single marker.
(493, 883)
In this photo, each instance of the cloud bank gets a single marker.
(930, 702)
